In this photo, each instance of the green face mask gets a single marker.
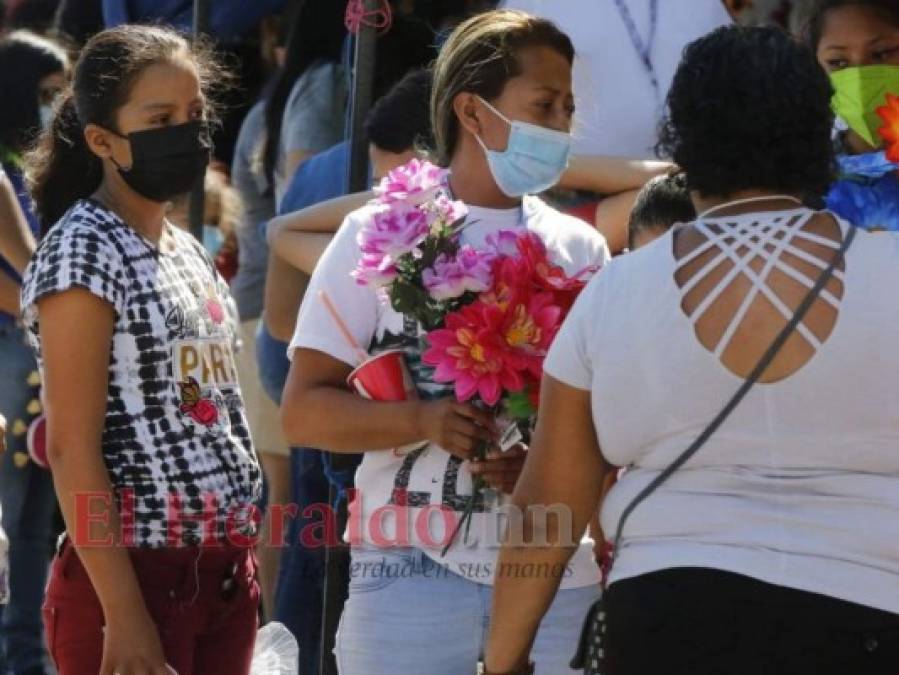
(860, 91)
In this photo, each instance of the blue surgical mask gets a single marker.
(46, 112)
(212, 239)
(533, 160)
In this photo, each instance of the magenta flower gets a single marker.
(374, 270)
(393, 231)
(443, 212)
(503, 243)
(469, 271)
(472, 354)
(415, 183)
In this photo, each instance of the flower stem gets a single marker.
(478, 485)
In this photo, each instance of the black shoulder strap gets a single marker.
(748, 383)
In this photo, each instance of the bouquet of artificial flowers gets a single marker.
(488, 314)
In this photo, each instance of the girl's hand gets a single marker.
(131, 646)
(502, 469)
(455, 427)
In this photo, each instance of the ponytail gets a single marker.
(62, 169)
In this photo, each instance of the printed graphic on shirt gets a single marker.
(175, 424)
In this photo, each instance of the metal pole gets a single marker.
(363, 81)
(337, 558)
(198, 193)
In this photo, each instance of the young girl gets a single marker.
(147, 436)
(857, 42)
(502, 85)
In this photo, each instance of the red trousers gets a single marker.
(204, 603)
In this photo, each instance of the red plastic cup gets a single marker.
(36, 440)
(384, 378)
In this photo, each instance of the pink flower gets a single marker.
(470, 352)
(450, 278)
(503, 242)
(394, 231)
(491, 349)
(374, 270)
(530, 327)
(443, 212)
(415, 183)
(215, 311)
(204, 412)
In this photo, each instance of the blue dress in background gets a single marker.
(867, 191)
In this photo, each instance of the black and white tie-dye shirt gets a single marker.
(175, 440)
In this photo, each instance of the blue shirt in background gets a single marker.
(230, 19)
(319, 178)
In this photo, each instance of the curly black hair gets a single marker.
(749, 108)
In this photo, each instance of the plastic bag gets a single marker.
(276, 651)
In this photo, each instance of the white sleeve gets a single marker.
(357, 305)
(570, 359)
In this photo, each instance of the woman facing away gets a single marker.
(857, 43)
(134, 331)
(496, 70)
(773, 549)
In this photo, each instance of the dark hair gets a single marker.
(663, 201)
(407, 45)
(63, 169)
(25, 59)
(749, 108)
(401, 119)
(480, 56)
(36, 15)
(814, 17)
(316, 33)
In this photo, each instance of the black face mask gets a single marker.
(168, 161)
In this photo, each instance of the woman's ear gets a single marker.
(467, 108)
(98, 140)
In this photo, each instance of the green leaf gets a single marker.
(518, 405)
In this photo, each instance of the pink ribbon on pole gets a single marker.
(357, 16)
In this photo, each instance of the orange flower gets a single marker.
(889, 113)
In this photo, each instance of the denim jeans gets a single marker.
(29, 507)
(408, 615)
(298, 594)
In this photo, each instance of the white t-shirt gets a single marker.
(800, 486)
(429, 478)
(617, 110)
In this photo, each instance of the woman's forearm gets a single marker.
(301, 250)
(17, 243)
(558, 493)
(610, 175)
(324, 217)
(522, 600)
(92, 521)
(9, 295)
(339, 421)
(284, 289)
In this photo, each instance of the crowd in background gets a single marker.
(276, 191)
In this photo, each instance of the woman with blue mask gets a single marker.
(501, 109)
(857, 43)
(33, 70)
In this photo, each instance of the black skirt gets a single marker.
(696, 621)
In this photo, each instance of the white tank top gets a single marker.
(800, 486)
